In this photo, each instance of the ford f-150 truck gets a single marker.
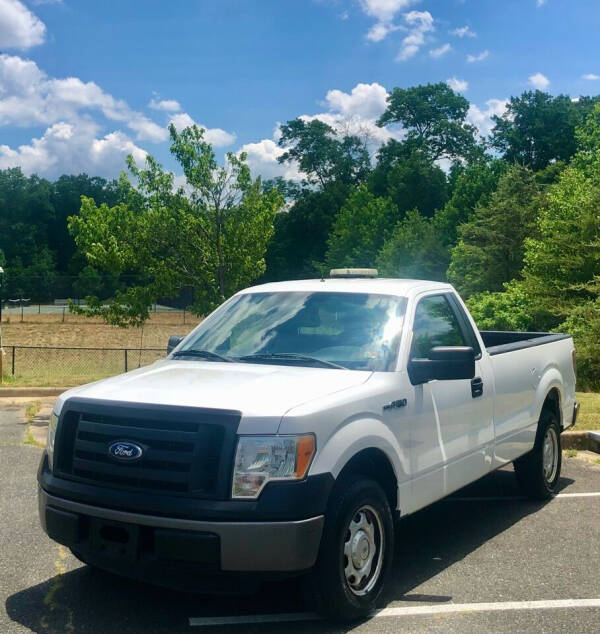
(288, 431)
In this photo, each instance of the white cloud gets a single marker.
(365, 100)
(262, 159)
(72, 148)
(19, 27)
(591, 77)
(440, 51)
(463, 31)
(419, 24)
(540, 3)
(482, 119)
(167, 105)
(77, 117)
(380, 31)
(539, 81)
(28, 97)
(478, 58)
(459, 85)
(385, 10)
(215, 136)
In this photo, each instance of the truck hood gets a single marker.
(262, 393)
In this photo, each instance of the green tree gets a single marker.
(414, 250)
(434, 117)
(471, 185)
(583, 323)
(507, 310)
(360, 229)
(210, 234)
(65, 197)
(297, 249)
(537, 129)
(410, 179)
(323, 155)
(563, 261)
(491, 244)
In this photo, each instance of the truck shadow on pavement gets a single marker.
(88, 600)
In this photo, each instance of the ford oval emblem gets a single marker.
(124, 450)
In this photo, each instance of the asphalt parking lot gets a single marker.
(485, 560)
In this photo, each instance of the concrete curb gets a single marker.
(581, 440)
(31, 391)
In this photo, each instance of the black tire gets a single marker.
(358, 513)
(537, 477)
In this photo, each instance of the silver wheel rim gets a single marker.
(550, 454)
(363, 549)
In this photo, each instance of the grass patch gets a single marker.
(570, 453)
(589, 413)
(30, 440)
(31, 410)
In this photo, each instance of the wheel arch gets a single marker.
(549, 395)
(373, 463)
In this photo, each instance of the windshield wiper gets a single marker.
(290, 356)
(202, 354)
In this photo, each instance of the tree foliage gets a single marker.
(537, 128)
(434, 117)
(210, 234)
(414, 250)
(360, 229)
(410, 179)
(490, 249)
(322, 155)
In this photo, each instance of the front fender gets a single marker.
(353, 437)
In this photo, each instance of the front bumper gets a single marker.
(114, 538)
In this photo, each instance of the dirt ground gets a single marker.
(47, 330)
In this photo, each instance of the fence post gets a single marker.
(12, 365)
(184, 316)
(21, 312)
(125, 351)
(39, 309)
(63, 317)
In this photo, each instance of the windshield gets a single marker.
(359, 331)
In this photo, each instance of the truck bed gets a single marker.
(500, 342)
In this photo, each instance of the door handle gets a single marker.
(476, 387)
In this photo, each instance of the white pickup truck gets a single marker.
(292, 427)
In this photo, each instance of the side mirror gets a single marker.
(174, 341)
(445, 363)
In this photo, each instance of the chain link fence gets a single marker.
(28, 313)
(36, 365)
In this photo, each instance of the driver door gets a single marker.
(452, 438)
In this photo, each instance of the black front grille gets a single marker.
(186, 451)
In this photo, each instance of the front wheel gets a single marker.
(538, 471)
(356, 551)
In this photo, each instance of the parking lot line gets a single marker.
(252, 619)
(418, 610)
(508, 498)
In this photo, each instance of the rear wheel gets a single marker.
(356, 551)
(538, 471)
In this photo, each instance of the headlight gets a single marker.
(260, 459)
(51, 437)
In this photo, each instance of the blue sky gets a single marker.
(83, 83)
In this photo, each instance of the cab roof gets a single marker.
(379, 285)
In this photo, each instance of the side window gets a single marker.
(435, 325)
